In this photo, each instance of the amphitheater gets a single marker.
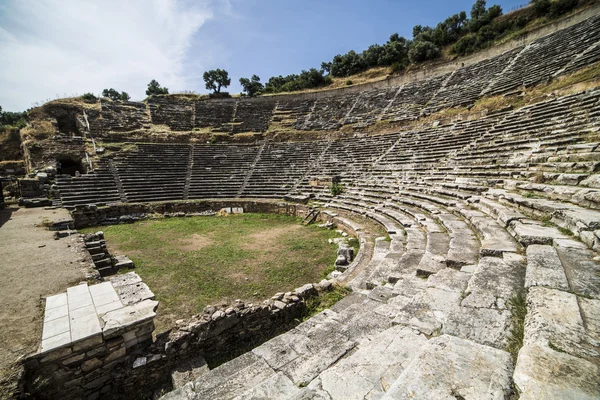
(486, 285)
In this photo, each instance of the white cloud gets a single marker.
(50, 48)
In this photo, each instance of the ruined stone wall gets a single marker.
(84, 368)
(86, 216)
(124, 363)
(218, 334)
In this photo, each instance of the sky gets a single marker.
(64, 48)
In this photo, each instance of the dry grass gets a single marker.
(38, 130)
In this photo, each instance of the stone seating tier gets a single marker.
(562, 52)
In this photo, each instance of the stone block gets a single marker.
(542, 373)
(118, 321)
(449, 366)
(91, 364)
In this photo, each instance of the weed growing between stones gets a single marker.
(517, 331)
(336, 188)
(565, 231)
(555, 347)
(325, 300)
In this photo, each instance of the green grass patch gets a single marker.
(565, 231)
(517, 330)
(192, 262)
(325, 300)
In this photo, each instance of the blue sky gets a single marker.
(57, 48)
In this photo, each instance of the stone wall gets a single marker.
(218, 334)
(86, 216)
(122, 362)
(88, 331)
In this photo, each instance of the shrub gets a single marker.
(541, 7)
(89, 98)
(115, 95)
(466, 45)
(397, 67)
(423, 51)
(561, 7)
(348, 82)
(306, 80)
(221, 95)
(336, 188)
(16, 119)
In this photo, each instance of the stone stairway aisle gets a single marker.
(188, 175)
(118, 183)
(251, 170)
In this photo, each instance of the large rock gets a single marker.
(449, 367)
(495, 282)
(542, 373)
(544, 268)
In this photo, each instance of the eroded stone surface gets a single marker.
(542, 373)
(448, 367)
(544, 268)
(118, 320)
(372, 369)
(494, 282)
(553, 319)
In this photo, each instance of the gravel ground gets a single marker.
(32, 266)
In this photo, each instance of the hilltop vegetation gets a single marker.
(458, 34)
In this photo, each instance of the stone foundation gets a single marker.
(86, 216)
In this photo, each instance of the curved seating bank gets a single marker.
(394, 100)
(488, 221)
(479, 214)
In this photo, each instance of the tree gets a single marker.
(252, 86)
(422, 51)
(348, 64)
(155, 88)
(541, 7)
(16, 119)
(216, 79)
(115, 95)
(478, 9)
(417, 29)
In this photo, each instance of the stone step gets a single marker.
(544, 268)
(543, 373)
(495, 282)
(554, 320)
(495, 240)
(449, 367)
(226, 381)
(376, 364)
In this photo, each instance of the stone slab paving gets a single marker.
(73, 316)
(103, 309)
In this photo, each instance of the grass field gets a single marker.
(192, 262)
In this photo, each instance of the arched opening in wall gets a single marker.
(69, 166)
(67, 124)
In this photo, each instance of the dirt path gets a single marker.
(32, 265)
